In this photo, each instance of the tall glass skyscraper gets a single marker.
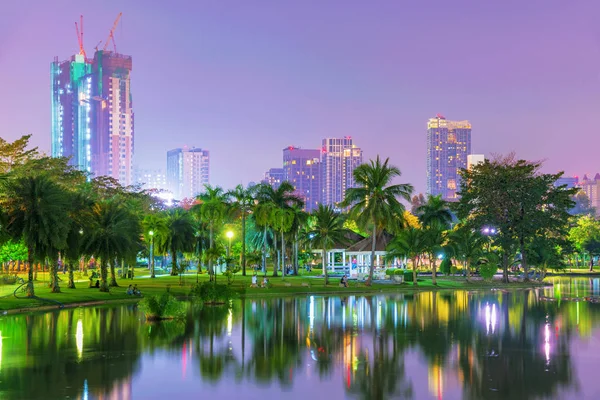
(92, 114)
(339, 158)
(448, 145)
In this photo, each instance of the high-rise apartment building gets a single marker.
(591, 187)
(339, 158)
(92, 114)
(187, 172)
(448, 145)
(274, 177)
(150, 178)
(302, 168)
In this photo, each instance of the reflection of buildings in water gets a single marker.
(435, 374)
(120, 390)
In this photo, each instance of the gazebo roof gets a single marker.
(364, 245)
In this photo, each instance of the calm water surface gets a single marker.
(456, 345)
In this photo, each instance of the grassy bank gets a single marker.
(292, 285)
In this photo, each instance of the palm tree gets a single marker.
(155, 230)
(328, 229)
(434, 240)
(262, 218)
(213, 209)
(298, 224)
(410, 243)
(36, 212)
(468, 245)
(244, 201)
(282, 218)
(374, 201)
(114, 232)
(179, 235)
(435, 210)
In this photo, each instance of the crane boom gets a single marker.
(111, 34)
(80, 36)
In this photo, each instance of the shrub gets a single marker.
(399, 272)
(390, 272)
(488, 270)
(160, 307)
(8, 279)
(454, 270)
(446, 266)
(212, 293)
(408, 276)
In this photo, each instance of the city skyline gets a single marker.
(254, 76)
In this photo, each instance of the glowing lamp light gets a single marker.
(151, 233)
(229, 234)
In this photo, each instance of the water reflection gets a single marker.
(491, 345)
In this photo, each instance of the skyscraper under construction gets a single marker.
(92, 111)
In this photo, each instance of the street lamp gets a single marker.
(229, 235)
(151, 233)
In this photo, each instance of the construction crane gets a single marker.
(80, 36)
(111, 35)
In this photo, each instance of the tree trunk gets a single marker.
(174, 268)
(415, 266)
(591, 262)
(264, 251)
(276, 266)
(211, 271)
(71, 284)
(504, 267)
(244, 243)
(30, 290)
(325, 267)
(433, 267)
(296, 263)
(54, 288)
(103, 276)
(468, 266)
(373, 244)
(113, 276)
(283, 266)
(524, 259)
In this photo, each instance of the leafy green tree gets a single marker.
(15, 154)
(582, 205)
(36, 213)
(435, 210)
(213, 210)
(409, 243)
(243, 204)
(113, 232)
(545, 254)
(517, 200)
(374, 201)
(327, 230)
(179, 235)
(468, 246)
(434, 236)
(585, 237)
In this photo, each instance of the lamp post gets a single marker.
(229, 236)
(151, 233)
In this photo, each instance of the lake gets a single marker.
(445, 345)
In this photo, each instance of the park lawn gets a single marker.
(278, 286)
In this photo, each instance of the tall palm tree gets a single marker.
(434, 241)
(374, 201)
(114, 232)
(280, 198)
(410, 243)
(262, 218)
(179, 235)
(435, 210)
(328, 229)
(282, 218)
(36, 212)
(155, 230)
(243, 203)
(299, 224)
(213, 209)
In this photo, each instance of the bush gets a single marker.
(454, 270)
(399, 272)
(488, 270)
(408, 276)
(160, 307)
(390, 272)
(212, 293)
(8, 279)
(446, 266)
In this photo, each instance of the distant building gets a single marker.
(474, 159)
(448, 145)
(591, 187)
(274, 177)
(302, 168)
(339, 158)
(92, 114)
(187, 171)
(568, 181)
(150, 179)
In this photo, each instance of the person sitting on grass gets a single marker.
(254, 281)
(265, 282)
(344, 281)
(129, 290)
(136, 291)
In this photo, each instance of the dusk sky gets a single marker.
(244, 79)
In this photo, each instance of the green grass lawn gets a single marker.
(290, 285)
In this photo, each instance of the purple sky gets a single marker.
(246, 78)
